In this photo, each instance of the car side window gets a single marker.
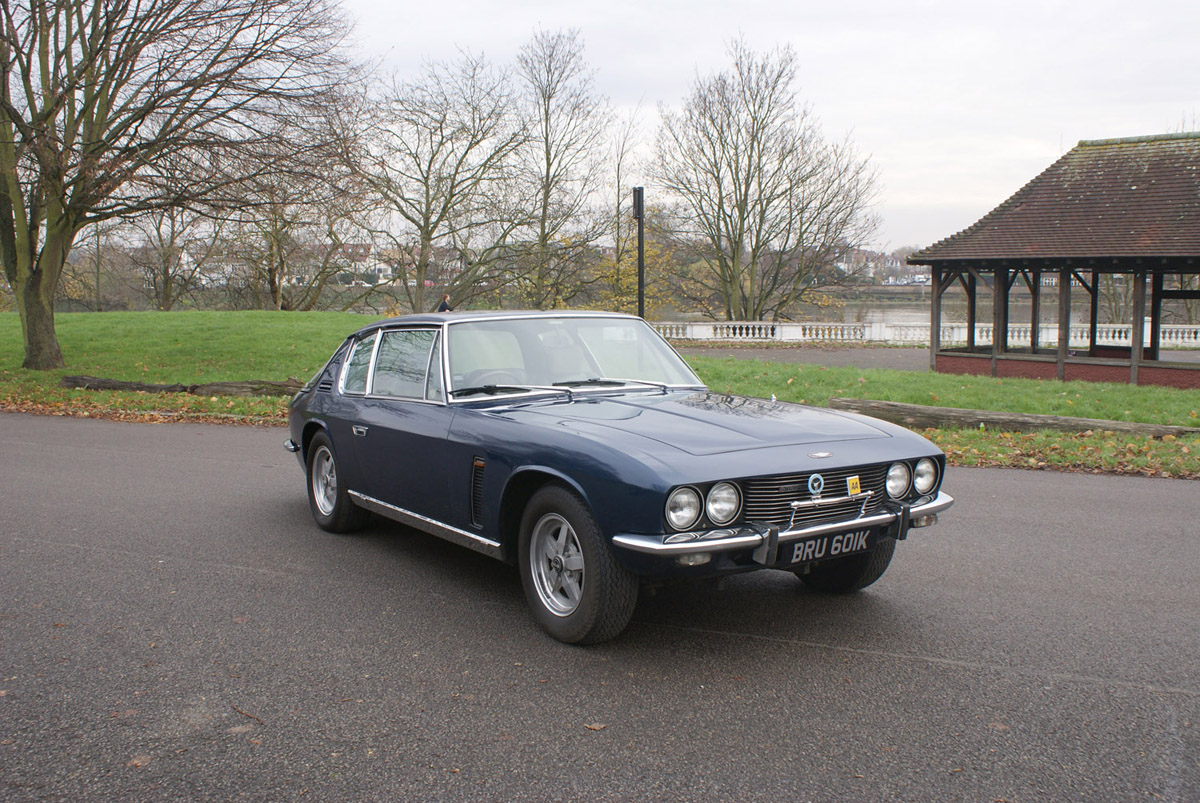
(433, 387)
(403, 361)
(358, 367)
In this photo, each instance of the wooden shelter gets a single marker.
(1122, 211)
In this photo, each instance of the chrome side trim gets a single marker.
(749, 536)
(432, 526)
(291, 445)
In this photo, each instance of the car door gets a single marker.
(341, 410)
(403, 421)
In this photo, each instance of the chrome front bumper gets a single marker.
(766, 540)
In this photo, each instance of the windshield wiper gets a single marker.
(576, 383)
(606, 381)
(489, 390)
(492, 390)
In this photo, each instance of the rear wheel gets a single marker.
(327, 497)
(846, 575)
(577, 589)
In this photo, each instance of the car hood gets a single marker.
(699, 423)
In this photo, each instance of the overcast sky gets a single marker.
(958, 104)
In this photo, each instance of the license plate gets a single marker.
(827, 546)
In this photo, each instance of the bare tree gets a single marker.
(562, 165)
(171, 246)
(176, 246)
(772, 204)
(95, 91)
(299, 225)
(619, 277)
(439, 160)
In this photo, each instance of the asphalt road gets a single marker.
(173, 626)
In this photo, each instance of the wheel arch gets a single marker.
(519, 489)
(311, 428)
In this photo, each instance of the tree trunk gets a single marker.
(35, 300)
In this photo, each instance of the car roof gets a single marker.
(439, 318)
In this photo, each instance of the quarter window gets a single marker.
(433, 388)
(358, 367)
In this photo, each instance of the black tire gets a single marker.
(847, 575)
(327, 498)
(578, 590)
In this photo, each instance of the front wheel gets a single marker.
(577, 589)
(846, 575)
(327, 497)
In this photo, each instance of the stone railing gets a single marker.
(1181, 337)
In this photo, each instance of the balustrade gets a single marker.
(952, 334)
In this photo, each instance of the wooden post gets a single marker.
(971, 286)
(1156, 299)
(935, 316)
(1035, 312)
(1064, 319)
(1138, 331)
(999, 315)
(1094, 320)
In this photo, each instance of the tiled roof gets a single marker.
(1107, 198)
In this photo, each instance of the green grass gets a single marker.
(190, 347)
(814, 384)
(196, 347)
(167, 348)
(1092, 451)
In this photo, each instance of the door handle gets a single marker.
(359, 431)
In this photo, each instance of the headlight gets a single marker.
(897, 480)
(925, 477)
(683, 508)
(723, 503)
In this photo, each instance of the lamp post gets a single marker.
(639, 215)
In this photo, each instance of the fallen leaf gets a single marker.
(596, 727)
(138, 761)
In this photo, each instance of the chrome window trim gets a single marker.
(438, 341)
(370, 366)
(576, 314)
(437, 329)
(384, 332)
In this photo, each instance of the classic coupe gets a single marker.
(582, 447)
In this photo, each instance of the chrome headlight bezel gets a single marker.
(684, 508)
(925, 476)
(726, 497)
(899, 478)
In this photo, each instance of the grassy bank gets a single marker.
(1103, 452)
(195, 347)
(172, 347)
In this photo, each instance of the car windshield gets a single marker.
(575, 352)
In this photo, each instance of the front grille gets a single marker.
(769, 499)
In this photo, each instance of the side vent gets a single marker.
(477, 492)
(325, 385)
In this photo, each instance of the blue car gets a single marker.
(581, 446)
